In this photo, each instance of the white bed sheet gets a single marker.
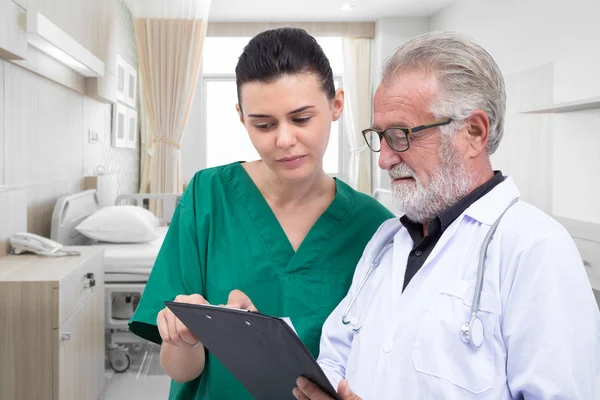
(121, 257)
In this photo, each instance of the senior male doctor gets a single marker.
(407, 328)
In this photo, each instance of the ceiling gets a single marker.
(319, 10)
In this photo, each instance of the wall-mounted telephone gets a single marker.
(25, 242)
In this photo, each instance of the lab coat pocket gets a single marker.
(439, 350)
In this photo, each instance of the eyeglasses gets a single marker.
(397, 138)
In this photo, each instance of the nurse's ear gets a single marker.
(337, 104)
(240, 113)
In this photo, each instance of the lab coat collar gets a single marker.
(487, 209)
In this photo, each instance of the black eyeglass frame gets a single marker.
(408, 132)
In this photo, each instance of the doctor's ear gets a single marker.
(478, 131)
(240, 112)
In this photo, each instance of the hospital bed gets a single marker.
(127, 266)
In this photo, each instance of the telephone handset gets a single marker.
(25, 242)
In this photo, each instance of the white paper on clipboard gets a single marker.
(289, 322)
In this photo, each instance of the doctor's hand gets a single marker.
(238, 299)
(306, 390)
(172, 330)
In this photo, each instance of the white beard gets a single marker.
(450, 183)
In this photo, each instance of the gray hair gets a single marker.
(469, 77)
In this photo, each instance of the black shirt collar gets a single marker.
(444, 219)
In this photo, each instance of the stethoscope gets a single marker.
(471, 331)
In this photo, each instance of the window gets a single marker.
(226, 138)
(223, 125)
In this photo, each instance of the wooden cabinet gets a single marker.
(13, 37)
(52, 331)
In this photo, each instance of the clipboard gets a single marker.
(263, 353)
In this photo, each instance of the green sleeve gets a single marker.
(178, 268)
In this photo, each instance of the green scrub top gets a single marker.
(224, 236)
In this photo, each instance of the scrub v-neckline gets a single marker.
(269, 228)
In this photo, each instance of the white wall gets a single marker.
(560, 150)
(44, 126)
(525, 33)
(389, 34)
(97, 116)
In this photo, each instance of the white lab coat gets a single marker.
(541, 321)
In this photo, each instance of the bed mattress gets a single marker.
(134, 258)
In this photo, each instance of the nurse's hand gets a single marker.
(172, 330)
(306, 390)
(238, 299)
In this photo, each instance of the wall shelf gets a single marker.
(579, 105)
(49, 38)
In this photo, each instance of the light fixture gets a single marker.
(347, 7)
(50, 39)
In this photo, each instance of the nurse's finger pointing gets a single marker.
(238, 299)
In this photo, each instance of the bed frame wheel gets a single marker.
(119, 360)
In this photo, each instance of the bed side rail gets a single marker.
(165, 203)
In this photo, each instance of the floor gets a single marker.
(143, 380)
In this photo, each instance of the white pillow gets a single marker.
(120, 224)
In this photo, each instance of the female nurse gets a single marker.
(278, 230)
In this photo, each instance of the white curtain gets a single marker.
(357, 110)
(169, 36)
